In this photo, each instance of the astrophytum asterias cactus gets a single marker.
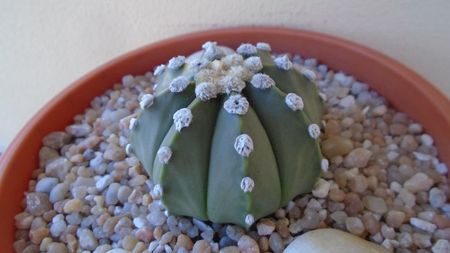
(229, 136)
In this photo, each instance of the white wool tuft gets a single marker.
(247, 184)
(243, 145)
(236, 104)
(246, 49)
(263, 46)
(253, 63)
(182, 118)
(176, 62)
(164, 154)
(262, 81)
(206, 91)
(159, 70)
(232, 84)
(146, 101)
(283, 62)
(314, 131)
(179, 84)
(294, 101)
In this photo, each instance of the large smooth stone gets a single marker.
(332, 241)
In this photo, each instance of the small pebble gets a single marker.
(441, 246)
(265, 227)
(437, 197)
(247, 245)
(46, 184)
(354, 225)
(57, 247)
(321, 188)
(357, 158)
(229, 249)
(419, 182)
(423, 225)
(375, 204)
(201, 246)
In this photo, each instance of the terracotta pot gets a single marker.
(407, 91)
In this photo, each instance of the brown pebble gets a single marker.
(184, 241)
(358, 158)
(371, 224)
(336, 195)
(38, 234)
(335, 146)
(441, 221)
(395, 218)
(353, 204)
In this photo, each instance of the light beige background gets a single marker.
(45, 45)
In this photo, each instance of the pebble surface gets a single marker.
(384, 183)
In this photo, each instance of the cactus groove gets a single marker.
(229, 136)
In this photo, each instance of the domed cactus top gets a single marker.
(229, 136)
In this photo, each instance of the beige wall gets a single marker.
(45, 45)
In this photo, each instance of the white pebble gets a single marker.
(441, 168)
(294, 101)
(426, 140)
(347, 101)
(321, 188)
(243, 145)
(419, 182)
(46, 184)
(441, 246)
(424, 225)
(181, 118)
(104, 182)
(437, 197)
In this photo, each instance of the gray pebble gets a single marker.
(225, 241)
(37, 203)
(87, 239)
(79, 130)
(58, 192)
(123, 193)
(156, 218)
(234, 232)
(58, 168)
(57, 228)
(104, 182)
(84, 181)
(275, 243)
(111, 194)
(56, 140)
(46, 184)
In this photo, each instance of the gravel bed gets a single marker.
(384, 183)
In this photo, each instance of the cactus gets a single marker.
(229, 136)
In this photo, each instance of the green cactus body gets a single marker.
(229, 137)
